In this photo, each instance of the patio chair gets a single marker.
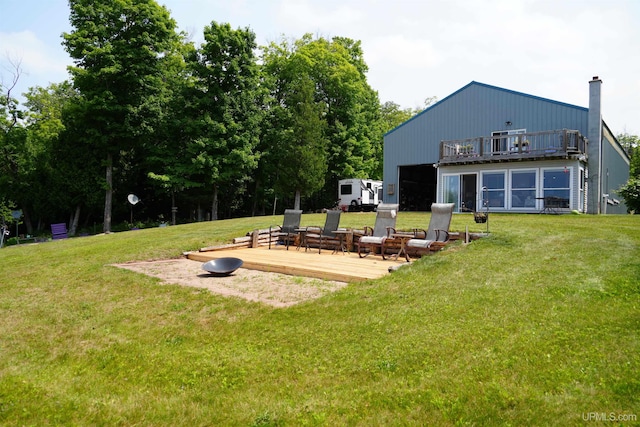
(324, 235)
(288, 232)
(59, 231)
(436, 236)
(374, 238)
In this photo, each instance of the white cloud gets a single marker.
(398, 51)
(33, 53)
(415, 49)
(307, 16)
(39, 65)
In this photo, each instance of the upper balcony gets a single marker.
(552, 144)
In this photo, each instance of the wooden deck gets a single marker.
(326, 265)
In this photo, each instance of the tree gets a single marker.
(169, 163)
(392, 115)
(225, 109)
(631, 190)
(428, 102)
(301, 146)
(349, 108)
(295, 145)
(630, 143)
(32, 145)
(45, 122)
(631, 194)
(119, 49)
(353, 107)
(15, 159)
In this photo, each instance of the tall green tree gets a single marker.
(348, 107)
(354, 132)
(119, 49)
(225, 108)
(46, 123)
(31, 142)
(169, 164)
(297, 133)
(294, 143)
(631, 144)
(16, 162)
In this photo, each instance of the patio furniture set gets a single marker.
(383, 238)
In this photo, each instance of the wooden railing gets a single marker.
(555, 143)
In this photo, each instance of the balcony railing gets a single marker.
(499, 148)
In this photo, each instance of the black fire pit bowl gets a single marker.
(222, 266)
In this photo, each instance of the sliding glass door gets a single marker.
(451, 190)
(461, 190)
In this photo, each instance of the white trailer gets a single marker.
(356, 194)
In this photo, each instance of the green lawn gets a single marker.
(537, 324)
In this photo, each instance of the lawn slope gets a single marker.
(537, 324)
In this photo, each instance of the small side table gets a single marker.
(302, 235)
(404, 238)
(342, 235)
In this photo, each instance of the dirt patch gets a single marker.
(275, 289)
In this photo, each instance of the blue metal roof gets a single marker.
(487, 86)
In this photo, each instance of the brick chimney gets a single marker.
(594, 134)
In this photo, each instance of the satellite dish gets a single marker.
(133, 199)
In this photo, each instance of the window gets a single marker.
(581, 197)
(494, 182)
(556, 186)
(523, 189)
(345, 189)
(519, 189)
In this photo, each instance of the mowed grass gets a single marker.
(537, 324)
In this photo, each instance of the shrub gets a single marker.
(631, 194)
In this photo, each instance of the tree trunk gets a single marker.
(108, 199)
(200, 216)
(27, 221)
(174, 209)
(214, 204)
(73, 223)
(254, 205)
(296, 203)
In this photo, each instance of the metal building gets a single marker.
(488, 147)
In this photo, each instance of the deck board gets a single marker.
(326, 265)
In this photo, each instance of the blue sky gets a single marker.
(415, 49)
